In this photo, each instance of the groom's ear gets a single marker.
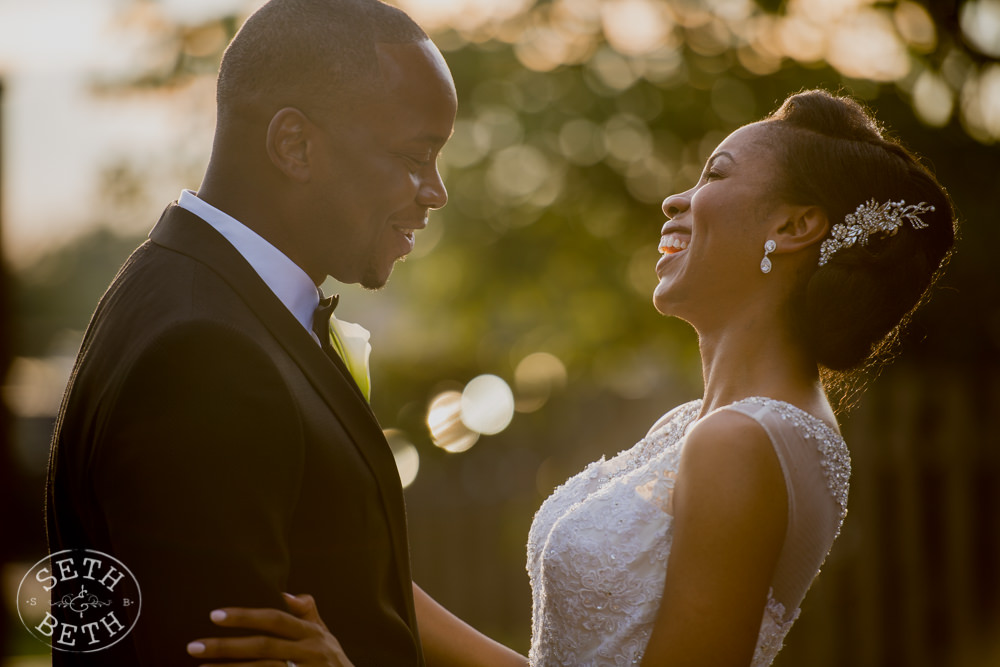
(289, 138)
(803, 226)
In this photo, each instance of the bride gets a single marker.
(806, 243)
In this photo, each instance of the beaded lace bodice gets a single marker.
(598, 546)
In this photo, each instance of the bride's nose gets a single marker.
(676, 204)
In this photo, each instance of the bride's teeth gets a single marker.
(668, 244)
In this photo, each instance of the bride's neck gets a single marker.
(757, 357)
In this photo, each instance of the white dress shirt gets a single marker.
(285, 278)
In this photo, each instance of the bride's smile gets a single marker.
(674, 239)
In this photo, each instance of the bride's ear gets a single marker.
(803, 226)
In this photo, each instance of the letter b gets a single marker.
(48, 625)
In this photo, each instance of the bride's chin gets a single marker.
(662, 302)
(669, 301)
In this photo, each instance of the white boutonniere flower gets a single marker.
(350, 340)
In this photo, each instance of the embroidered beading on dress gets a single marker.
(835, 460)
(598, 546)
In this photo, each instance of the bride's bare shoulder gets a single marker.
(729, 462)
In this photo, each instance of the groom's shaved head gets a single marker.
(308, 54)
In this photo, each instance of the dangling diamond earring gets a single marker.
(765, 264)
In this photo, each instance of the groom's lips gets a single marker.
(405, 233)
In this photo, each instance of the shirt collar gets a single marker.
(285, 278)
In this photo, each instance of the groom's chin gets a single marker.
(376, 277)
(374, 281)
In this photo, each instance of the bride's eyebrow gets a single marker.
(715, 158)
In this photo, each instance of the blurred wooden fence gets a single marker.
(914, 580)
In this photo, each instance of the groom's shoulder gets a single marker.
(161, 269)
(157, 283)
(161, 295)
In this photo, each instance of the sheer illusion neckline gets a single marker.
(767, 400)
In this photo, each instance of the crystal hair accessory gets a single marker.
(868, 219)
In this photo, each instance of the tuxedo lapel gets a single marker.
(184, 232)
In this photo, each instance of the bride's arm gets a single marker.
(730, 511)
(301, 636)
(448, 641)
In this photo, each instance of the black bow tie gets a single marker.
(321, 318)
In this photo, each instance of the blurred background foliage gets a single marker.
(576, 119)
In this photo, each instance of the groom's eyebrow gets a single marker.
(432, 139)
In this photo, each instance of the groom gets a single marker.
(211, 438)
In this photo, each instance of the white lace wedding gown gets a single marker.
(598, 546)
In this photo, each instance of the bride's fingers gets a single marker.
(255, 648)
(254, 663)
(304, 606)
(269, 620)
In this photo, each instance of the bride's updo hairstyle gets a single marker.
(833, 154)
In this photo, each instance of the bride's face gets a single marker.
(713, 240)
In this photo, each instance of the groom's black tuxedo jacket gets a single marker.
(208, 443)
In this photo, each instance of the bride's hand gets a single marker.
(300, 638)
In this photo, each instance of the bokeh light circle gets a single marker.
(535, 378)
(487, 405)
(444, 419)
